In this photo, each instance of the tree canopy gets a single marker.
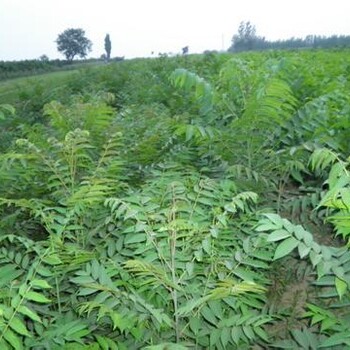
(246, 37)
(73, 42)
(108, 47)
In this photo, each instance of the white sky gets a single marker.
(28, 28)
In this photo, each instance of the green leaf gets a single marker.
(86, 291)
(40, 284)
(328, 323)
(8, 273)
(135, 238)
(15, 301)
(301, 338)
(82, 280)
(261, 333)
(190, 305)
(338, 271)
(206, 245)
(4, 345)
(102, 342)
(285, 248)
(190, 268)
(236, 334)
(341, 287)
(315, 258)
(24, 310)
(113, 346)
(52, 260)
(245, 274)
(225, 336)
(95, 269)
(209, 315)
(44, 272)
(248, 331)
(275, 219)
(13, 339)
(216, 307)
(345, 196)
(118, 321)
(34, 296)
(288, 225)
(205, 201)
(195, 324)
(299, 232)
(215, 337)
(18, 326)
(334, 340)
(317, 319)
(189, 132)
(303, 250)
(267, 227)
(278, 235)
(308, 239)
(326, 253)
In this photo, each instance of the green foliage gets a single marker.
(336, 199)
(329, 262)
(188, 81)
(174, 240)
(6, 109)
(172, 203)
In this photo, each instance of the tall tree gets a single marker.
(246, 38)
(108, 47)
(73, 42)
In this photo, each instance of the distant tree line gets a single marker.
(247, 39)
(73, 43)
(14, 69)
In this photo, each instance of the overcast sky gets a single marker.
(29, 28)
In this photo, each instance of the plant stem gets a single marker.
(173, 237)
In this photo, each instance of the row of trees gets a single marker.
(15, 69)
(73, 42)
(247, 39)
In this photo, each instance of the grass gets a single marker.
(9, 89)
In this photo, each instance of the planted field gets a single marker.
(196, 202)
(12, 90)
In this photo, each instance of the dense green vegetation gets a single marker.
(15, 69)
(196, 202)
